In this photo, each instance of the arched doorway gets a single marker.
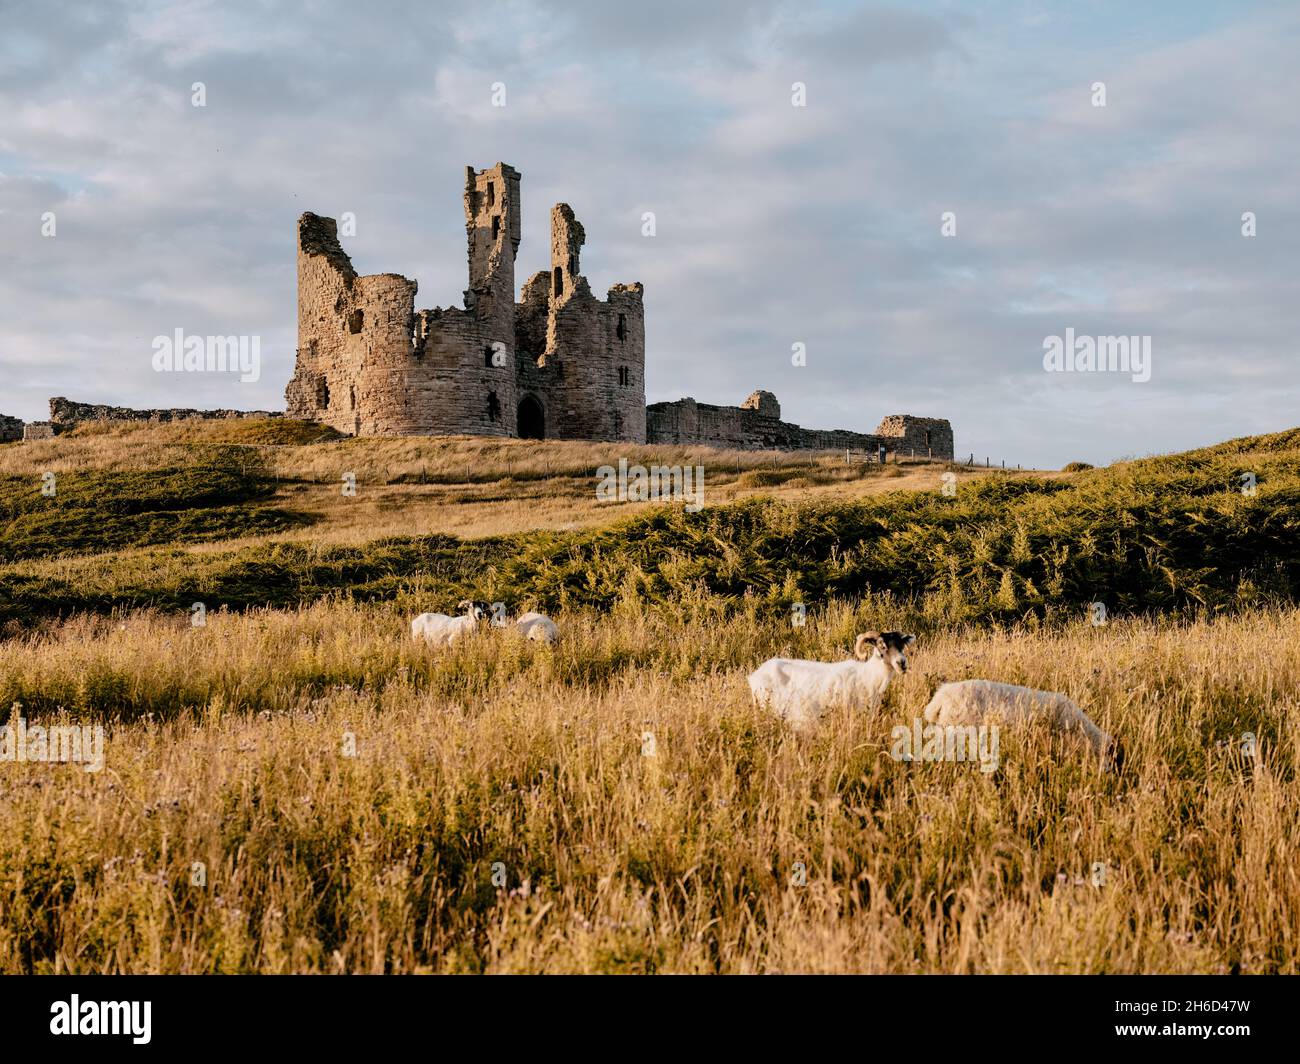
(532, 421)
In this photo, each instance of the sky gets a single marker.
(775, 224)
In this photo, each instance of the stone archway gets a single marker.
(532, 419)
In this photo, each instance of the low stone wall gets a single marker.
(39, 430)
(64, 412)
(746, 427)
(756, 425)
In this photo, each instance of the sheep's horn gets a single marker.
(865, 645)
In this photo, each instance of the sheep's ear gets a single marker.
(908, 640)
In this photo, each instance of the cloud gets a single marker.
(776, 224)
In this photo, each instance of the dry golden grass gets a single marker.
(467, 486)
(227, 749)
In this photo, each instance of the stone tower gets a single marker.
(558, 364)
(595, 350)
(354, 339)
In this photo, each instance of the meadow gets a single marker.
(296, 786)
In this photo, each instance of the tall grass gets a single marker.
(501, 813)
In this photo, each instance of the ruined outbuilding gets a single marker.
(757, 424)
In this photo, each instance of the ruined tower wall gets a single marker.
(461, 376)
(325, 282)
(919, 436)
(595, 359)
(532, 315)
(378, 350)
(595, 349)
(11, 428)
(354, 339)
(454, 376)
(492, 228)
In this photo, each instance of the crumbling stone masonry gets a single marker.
(64, 413)
(757, 423)
(11, 428)
(559, 364)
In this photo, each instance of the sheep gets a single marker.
(442, 630)
(969, 702)
(538, 627)
(801, 692)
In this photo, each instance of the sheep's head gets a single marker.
(890, 646)
(471, 608)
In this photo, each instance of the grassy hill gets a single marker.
(1175, 532)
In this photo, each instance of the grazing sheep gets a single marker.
(979, 701)
(801, 692)
(537, 626)
(442, 631)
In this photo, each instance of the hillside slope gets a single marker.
(214, 518)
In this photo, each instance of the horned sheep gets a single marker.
(441, 630)
(802, 692)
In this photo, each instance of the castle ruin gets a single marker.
(559, 364)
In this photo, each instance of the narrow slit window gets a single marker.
(493, 407)
(496, 227)
(492, 194)
(622, 327)
(355, 321)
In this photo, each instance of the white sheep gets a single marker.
(441, 630)
(978, 702)
(538, 627)
(801, 692)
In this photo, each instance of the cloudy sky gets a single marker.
(775, 224)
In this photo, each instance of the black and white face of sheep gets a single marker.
(890, 646)
(473, 608)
